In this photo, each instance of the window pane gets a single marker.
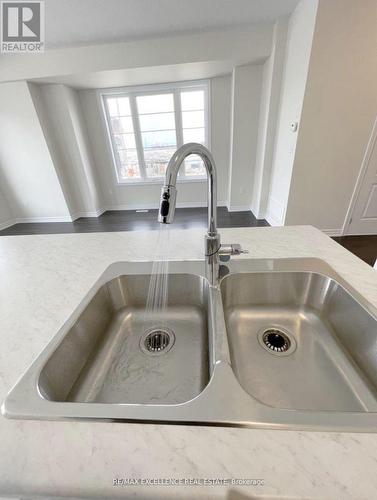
(125, 141)
(192, 100)
(122, 132)
(118, 106)
(129, 166)
(157, 133)
(156, 161)
(122, 125)
(112, 106)
(155, 103)
(194, 135)
(193, 119)
(124, 106)
(159, 139)
(194, 166)
(159, 121)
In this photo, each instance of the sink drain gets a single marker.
(157, 341)
(277, 341)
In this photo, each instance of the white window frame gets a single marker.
(143, 90)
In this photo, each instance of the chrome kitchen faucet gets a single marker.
(214, 251)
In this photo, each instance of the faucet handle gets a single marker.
(229, 249)
(237, 249)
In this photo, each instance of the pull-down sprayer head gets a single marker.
(169, 192)
(167, 204)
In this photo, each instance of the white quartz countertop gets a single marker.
(42, 280)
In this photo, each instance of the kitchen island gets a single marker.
(44, 278)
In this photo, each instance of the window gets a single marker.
(148, 124)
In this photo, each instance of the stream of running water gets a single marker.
(157, 299)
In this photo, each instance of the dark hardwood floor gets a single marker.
(365, 247)
(130, 220)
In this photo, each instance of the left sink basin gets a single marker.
(117, 352)
(113, 358)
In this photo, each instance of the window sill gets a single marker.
(160, 182)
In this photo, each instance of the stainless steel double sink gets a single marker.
(283, 344)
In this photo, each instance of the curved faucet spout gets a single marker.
(213, 250)
(168, 195)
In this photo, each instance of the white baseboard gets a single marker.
(7, 223)
(154, 206)
(275, 213)
(333, 232)
(273, 221)
(258, 215)
(31, 220)
(97, 213)
(77, 215)
(239, 208)
(28, 220)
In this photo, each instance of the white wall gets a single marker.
(27, 172)
(299, 42)
(221, 132)
(236, 46)
(6, 215)
(64, 128)
(246, 95)
(339, 109)
(122, 196)
(92, 191)
(269, 107)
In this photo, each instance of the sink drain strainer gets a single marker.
(157, 341)
(277, 341)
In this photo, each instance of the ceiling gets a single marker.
(72, 23)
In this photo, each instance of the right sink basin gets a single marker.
(300, 341)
